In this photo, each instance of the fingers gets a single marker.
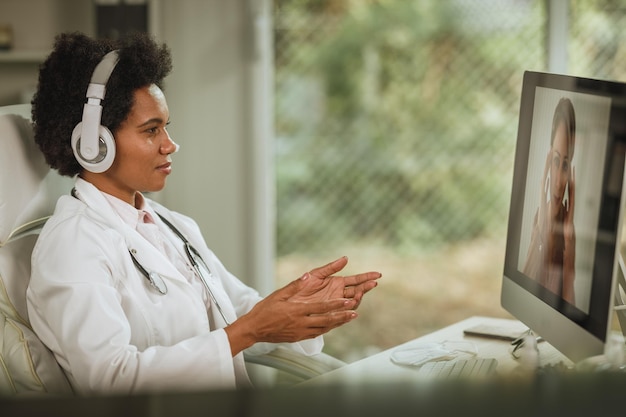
(357, 279)
(330, 268)
(293, 287)
(331, 320)
(323, 307)
(329, 314)
(318, 318)
(572, 189)
(318, 325)
(358, 290)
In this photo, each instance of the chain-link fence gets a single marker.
(396, 124)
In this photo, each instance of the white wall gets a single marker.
(34, 24)
(220, 99)
(219, 95)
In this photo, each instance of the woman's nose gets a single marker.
(169, 146)
(559, 180)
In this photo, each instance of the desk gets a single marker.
(371, 387)
(380, 369)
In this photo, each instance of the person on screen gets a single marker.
(123, 291)
(552, 251)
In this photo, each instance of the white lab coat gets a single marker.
(108, 328)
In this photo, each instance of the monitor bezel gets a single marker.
(575, 333)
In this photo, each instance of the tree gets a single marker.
(402, 122)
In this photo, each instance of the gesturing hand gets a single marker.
(568, 223)
(305, 308)
(569, 237)
(321, 285)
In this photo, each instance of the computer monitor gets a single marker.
(566, 212)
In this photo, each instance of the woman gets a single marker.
(552, 252)
(123, 291)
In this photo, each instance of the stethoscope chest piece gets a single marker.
(157, 282)
(154, 278)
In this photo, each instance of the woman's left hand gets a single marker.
(320, 284)
(568, 223)
(569, 251)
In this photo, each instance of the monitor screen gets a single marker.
(566, 210)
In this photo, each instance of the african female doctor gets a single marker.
(123, 291)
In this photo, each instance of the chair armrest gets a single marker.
(31, 228)
(296, 364)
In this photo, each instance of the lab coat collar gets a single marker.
(145, 253)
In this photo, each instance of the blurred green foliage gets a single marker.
(396, 120)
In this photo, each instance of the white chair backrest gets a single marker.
(28, 193)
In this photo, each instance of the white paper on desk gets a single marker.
(418, 355)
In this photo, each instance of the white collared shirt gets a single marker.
(143, 220)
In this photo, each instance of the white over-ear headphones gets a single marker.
(92, 143)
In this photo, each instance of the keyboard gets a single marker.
(460, 368)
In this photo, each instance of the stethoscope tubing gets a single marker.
(156, 280)
(190, 251)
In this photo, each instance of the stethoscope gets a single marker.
(195, 259)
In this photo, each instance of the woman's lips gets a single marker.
(165, 168)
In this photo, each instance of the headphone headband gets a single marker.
(103, 70)
(93, 144)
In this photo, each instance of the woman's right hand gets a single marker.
(277, 319)
(308, 307)
(322, 284)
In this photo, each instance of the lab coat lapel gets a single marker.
(212, 281)
(146, 254)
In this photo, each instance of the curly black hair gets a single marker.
(57, 105)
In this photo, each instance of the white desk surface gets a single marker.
(379, 367)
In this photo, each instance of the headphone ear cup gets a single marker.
(106, 150)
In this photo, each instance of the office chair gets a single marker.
(28, 194)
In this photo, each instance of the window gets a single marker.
(395, 125)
